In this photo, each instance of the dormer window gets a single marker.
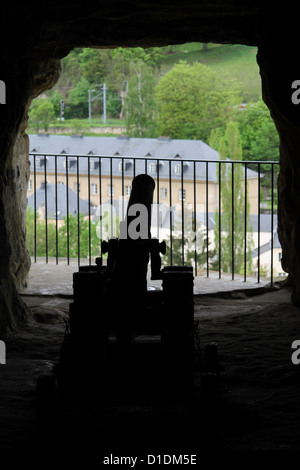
(41, 162)
(181, 167)
(93, 164)
(124, 165)
(70, 163)
(65, 151)
(152, 168)
(178, 169)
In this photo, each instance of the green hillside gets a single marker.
(237, 60)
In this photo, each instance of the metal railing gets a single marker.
(198, 230)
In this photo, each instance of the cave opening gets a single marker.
(259, 409)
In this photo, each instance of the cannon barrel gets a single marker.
(141, 194)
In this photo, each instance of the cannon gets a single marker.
(124, 341)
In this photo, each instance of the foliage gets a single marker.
(69, 236)
(113, 104)
(193, 100)
(37, 231)
(194, 241)
(66, 237)
(259, 136)
(94, 64)
(77, 104)
(139, 105)
(55, 97)
(41, 114)
(233, 204)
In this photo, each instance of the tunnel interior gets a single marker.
(35, 40)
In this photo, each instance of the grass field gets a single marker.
(236, 60)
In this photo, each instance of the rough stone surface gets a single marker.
(257, 407)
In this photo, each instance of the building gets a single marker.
(102, 168)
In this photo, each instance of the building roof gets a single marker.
(40, 200)
(177, 150)
(267, 246)
(265, 222)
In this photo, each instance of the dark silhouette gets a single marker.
(124, 342)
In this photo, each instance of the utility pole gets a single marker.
(90, 104)
(104, 103)
(90, 100)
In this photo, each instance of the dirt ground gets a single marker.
(257, 406)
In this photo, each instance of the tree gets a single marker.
(69, 235)
(139, 103)
(95, 64)
(194, 242)
(232, 228)
(260, 140)
(61, 242)
(77, 105)
(36, 235)
(41, 114)
(55, 98)
(192, 100)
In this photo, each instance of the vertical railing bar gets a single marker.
(272, 221)
(194, 227)
(258, 228)
(206, 203)
(46, 207)
(34, 199)
(170, 202)
(78, 214)
(245, 226)
(68, 222)
(182, 216)
(157, 176)
(232, 219)
(134, 168)
(100, 202)
(220, 218)
(122, 165)
(89, 209)
(111, 196)
(56, 207)
(146, 166)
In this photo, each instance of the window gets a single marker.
(94, 188)
(152, 168)
(181, 194)
(29, 187)
(178, 169)
(279, 256)
(127, 190)
(70, 163)
(77, 187)
(110, 190)
(93, 165)
(163, 193)
(41, 162)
